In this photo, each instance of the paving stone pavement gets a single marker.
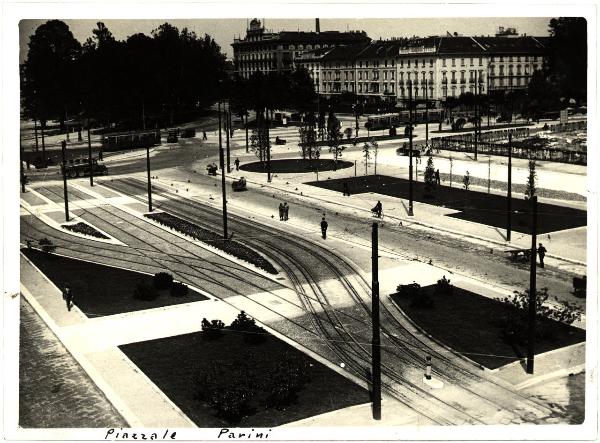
(54, 391)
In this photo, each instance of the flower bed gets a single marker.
(85, 229)
(211, 238)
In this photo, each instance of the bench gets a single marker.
(519, 254)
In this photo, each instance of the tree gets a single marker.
(50, 78)
(334, 138)
(515, 321)
(429, 178)
(530, 189)
(367, 156)
(567, 61)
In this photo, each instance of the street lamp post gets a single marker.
(64, 174)
(90, 154)
(410, 148)
(222, 165)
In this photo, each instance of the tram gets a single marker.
(117, 141)
(385, 121)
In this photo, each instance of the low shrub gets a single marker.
(179, 289)
(414, 292)
(284, 383)
(163, 280)
(145, 292)
(229, 392)
(212, 329)
(213, 239)
(46, 245)
(253, 334)
(443, 286)
(85, 229)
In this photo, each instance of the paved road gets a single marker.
(54, 391)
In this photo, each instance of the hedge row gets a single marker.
(231, 247)
(85, 229)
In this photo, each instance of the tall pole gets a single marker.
(246, 115)
(64, 174)
(23, 178)
(37, 147)
(426, 114)
(149, 182)
(532, 288)
(227, 129)
(509, 191)
(90, 153)
(267, 123)
(476, 117)
(221, 161)
(222, 165)
(45, 160)
(376, 344)
(410, 149)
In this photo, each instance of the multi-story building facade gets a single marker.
(434, 67)
(267, 51)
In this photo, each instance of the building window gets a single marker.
(423, 64)
(480, 61)
(431, 63)
(453, 62)
(444, 62)
(408, 63)
(501, 59)
(402, 63)
(462, 61)
(392, 75)
(471, 61)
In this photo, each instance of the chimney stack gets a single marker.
(318, 28)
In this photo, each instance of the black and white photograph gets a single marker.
(246, 223)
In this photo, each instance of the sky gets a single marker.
(224, 30)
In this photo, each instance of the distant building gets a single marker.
(434, 67)
(267, 51)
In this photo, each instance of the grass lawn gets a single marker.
(469, 324)
(102, 290)
(172, 363)
(296, 165)
(481, 207)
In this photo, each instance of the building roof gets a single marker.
(513, 45)
(307, 38)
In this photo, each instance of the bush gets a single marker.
(85, 229)
(213, 239)
(253, 334)
(414, 292)
(229, 392)
(515, 321)
(213, 329)
(145, 292)
(443, 287)
(46, 245)
(179, 289)
(288, 378)
(163, 280)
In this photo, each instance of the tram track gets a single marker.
(465, 375)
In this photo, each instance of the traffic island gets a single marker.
(103, 290)
(296, 166)
(84, 229)
(474, 206)
(228, 377)
(478, 327)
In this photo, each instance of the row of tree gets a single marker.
(142, 81)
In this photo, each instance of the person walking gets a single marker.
(204, 135)
(237, 164)
(286, 211)
(324, 227)
(68, 297)
(437, 177)
(281, 211)
(541, 253)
